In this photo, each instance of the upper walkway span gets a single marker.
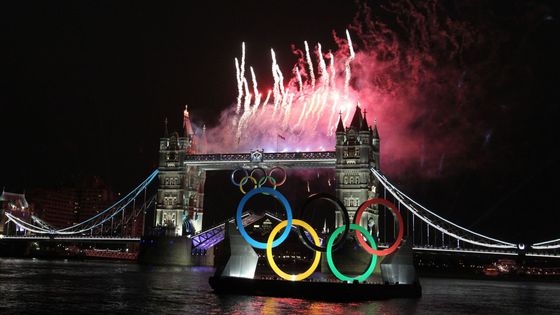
(224, 161)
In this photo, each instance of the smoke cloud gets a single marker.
(418, 69)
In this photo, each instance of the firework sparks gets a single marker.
(305, 101)
(347, 70)
(240, 73)
(310, 64)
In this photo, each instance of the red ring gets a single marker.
(393, 208)
(272, 171)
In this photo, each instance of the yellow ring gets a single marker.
(243, 181)
(270, 259)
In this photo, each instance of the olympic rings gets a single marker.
(397, 214)
(345, 219)
(244, 181)
(258, 181)
(276, 194)
(335, 240)
(330, 261)
(233, 176)
(271, 261)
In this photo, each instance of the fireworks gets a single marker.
(414, 84)
(307, 99)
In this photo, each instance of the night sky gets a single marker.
(87, 86)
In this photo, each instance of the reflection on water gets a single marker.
(33, 286)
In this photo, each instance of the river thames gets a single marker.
(30, 286)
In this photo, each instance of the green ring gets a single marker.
(261, 182)
(335, 271)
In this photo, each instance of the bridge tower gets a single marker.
(357, 150)
(181, 189)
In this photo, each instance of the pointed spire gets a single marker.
(187, 122)
(166, 131)
(375, 132)
(203, 140)
(357, 119)
(365, 126)
(340, 126)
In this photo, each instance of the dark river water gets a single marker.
(39, 286)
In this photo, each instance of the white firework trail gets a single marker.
(347, 65)
(241, 76)
(322, 67)
(239, 86)
(333, 70)
(246, 109)
(280, 80)
(242, 67)
(310, 64)
(256, 93)
(247, 103)
(276, 89)
(266, 99)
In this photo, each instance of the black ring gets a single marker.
(335, 201)
(258, 168)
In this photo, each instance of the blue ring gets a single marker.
(233, 175)
(287, 207)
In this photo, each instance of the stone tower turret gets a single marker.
(357, 150)
(171, 193)
(181, 188)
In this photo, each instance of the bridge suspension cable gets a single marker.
(97, 220)
(552, 244)
(445, 226)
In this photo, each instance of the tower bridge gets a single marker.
(178, 207)
(184, 163)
